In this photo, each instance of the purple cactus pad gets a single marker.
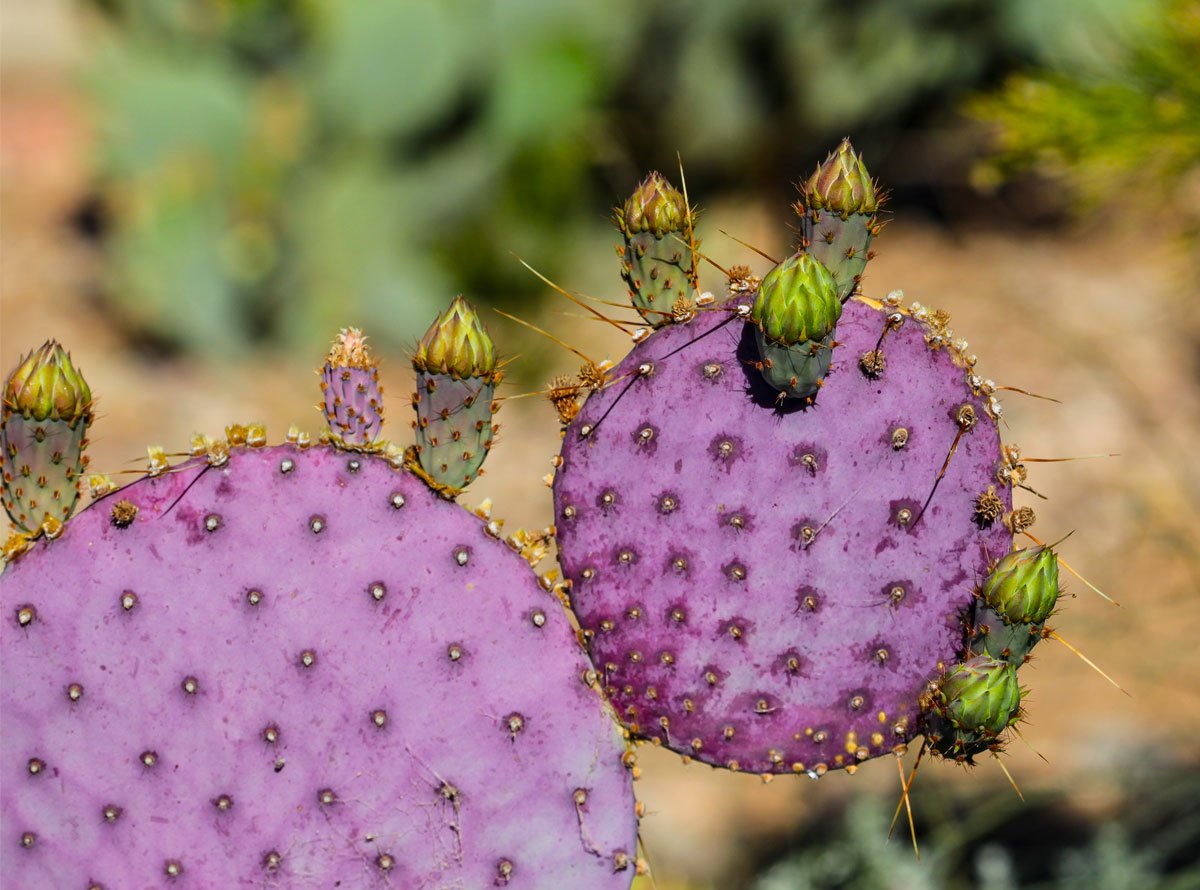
(761, 587)
(300, 669)
(353, 404)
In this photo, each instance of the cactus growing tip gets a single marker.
(655, 206)
(457, 343)
(842, 184)
(47, 385)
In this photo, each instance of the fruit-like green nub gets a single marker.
(655, 206)
(457, 344)
(797, 302)
(456, 382)
(981, 695)
(842, 184)
(1023, 587)
(47, 409)
(47, 386)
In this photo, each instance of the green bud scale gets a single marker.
(657, 254)
(457, 344)
(47, 408)
(1023, 587)
(842, 185)
(1005, 641)
(794, 313)
(456, 382)
(1014, 603)
(971, 706)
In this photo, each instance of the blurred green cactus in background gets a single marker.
(273, 169)
(1144, 838)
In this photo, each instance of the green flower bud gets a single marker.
(655, 206)
(457, 344)
(842, 184)
(797, 302)
(980, 696)
(1023, 587)
(47, 386)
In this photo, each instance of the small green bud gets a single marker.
(655, 206)
(797, 302)
(457, 343)
(980, 696)
(47, 386)
(842, 184)
(1023, 587)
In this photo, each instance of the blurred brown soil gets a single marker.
(1098, 317)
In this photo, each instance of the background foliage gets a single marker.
(271, 168)
(1129, 131)
(1145, 840)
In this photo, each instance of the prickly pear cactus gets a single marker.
(299, 666)
(971, 705)
(781, 566)
(768, 589)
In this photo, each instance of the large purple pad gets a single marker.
(299, 669)
(762, 588)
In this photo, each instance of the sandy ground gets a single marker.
(1102, 318)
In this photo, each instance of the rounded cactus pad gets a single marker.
(301, 668)
(772, 587)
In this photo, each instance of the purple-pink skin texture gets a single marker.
(754, 597)
(339, 675)
(353, 403)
